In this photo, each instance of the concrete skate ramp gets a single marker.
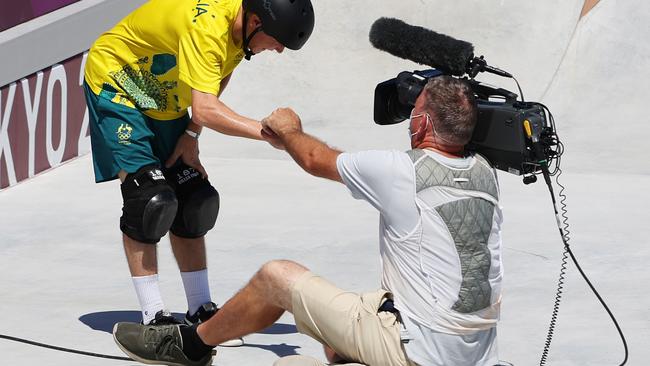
(334, 76)
(589, 70)
(599, 92)
(61, 261)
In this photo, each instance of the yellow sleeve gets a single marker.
(201, 56)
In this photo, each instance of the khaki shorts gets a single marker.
(348, 322)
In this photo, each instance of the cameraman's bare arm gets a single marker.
(283, 127)
(313, 155)
(208, 111)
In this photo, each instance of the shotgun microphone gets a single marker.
(426, 47)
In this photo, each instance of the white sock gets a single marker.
(197, 289)
(146, 287)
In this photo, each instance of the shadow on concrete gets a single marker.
(281, 350)
(105, 320)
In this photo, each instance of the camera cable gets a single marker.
(563, 226)
(63, 349)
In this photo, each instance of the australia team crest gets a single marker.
(124, 134)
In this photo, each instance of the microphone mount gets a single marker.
(478, 64)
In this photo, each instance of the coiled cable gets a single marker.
(563, 226)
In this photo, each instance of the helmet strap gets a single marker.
(247, 39)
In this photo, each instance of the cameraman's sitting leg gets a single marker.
(349, 323)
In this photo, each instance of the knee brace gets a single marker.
(198, 202)
(150, 205)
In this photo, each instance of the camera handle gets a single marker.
(485, 91)
(478, 64)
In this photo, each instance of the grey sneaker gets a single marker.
(154, 344)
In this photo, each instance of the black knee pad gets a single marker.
(150, 205)
(198, 202)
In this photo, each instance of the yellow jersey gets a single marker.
(152, 59)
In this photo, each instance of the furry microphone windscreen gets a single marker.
(421, 45)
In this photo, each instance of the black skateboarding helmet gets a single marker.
(290, 22)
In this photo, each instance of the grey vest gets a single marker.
(469, 221)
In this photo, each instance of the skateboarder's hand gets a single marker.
(187, 149)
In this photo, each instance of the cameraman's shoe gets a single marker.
(155, 344)
(205, 312)
(163, 317)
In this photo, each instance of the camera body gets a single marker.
(514, 136)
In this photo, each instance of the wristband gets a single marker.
(193, 134)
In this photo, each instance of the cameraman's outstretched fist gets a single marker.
(282, 121)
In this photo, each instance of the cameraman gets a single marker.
(440, 247)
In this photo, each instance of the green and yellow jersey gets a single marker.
(153, 58)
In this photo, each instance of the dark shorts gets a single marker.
(124, 138)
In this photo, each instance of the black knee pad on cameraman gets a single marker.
(198, 202)
(150, 205)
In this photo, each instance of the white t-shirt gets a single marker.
(423, 273)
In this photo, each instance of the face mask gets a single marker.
(411, 134)
(435, 134)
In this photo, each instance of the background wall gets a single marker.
(16, 12)
(42, 109)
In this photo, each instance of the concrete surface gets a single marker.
(63, 278)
